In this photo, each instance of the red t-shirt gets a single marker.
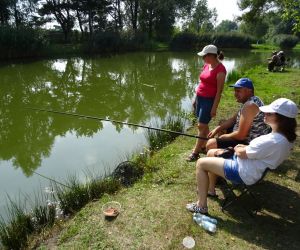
(208, 80)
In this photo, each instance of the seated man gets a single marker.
(248, 122)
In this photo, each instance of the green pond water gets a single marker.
(140, 88)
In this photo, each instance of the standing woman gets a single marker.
(208, 94)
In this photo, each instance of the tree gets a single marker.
(132, 9)
(157, 17)
(4, 12)
(292, 12)
(288, 9)
(259, 29)
(227, 26)
(17, 12)
(117, 15)
(62, 12)
(203, 18)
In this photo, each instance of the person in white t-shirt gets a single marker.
(250, 161)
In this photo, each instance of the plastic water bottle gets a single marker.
(207, 225)
(207, 218)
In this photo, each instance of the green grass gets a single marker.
(153, 214)
(264, 47)
(271, 47)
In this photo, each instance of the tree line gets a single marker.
(131, 24)
(156, 18)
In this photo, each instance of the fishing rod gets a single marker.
(115, 121)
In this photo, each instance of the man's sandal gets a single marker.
(192, 157)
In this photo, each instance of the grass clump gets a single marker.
(158, 139)
(233, 76)
(14, 234)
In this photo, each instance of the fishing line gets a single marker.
(48, 178)
(115, 121)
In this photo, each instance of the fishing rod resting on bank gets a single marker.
(115, 121)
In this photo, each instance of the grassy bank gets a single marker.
(271, 47)
(153, 214)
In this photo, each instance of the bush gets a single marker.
(285, 41)
(114, 42)
(192, 41)
(232, 40)
(184, 41)
(21, 42)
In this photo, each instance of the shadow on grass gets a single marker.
(290, 165)
(277, 226)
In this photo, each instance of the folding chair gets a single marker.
(244, 189)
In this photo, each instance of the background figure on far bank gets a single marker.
(277, 61)
(208, 94)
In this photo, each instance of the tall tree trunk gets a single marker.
(135, 15)
(134, 9)
(80, 23)
(150, 25)
(91, 23)
(16, 15)
(120, 24)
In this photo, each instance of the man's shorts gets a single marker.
(231, 170)
(222, 143)
(203, 108)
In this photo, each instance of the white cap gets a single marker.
(209, 49)
(281, 106)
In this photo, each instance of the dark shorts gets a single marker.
(203, 108)
(231, 170)
(221, 143)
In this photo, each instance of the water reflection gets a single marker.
(114, 87)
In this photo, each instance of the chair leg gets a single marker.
(232, 198)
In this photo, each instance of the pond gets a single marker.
(138, 87)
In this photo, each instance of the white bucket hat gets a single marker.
(282, 106)
(209, 49)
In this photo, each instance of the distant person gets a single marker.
(282, 60)
(250, 161)
(246, 124)
(208, 94)
(277, 61)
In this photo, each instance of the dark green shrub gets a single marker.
(114, 42)
(232, 40)
(21, 42)
(192, 41)
(105, 42)
(184, 41)
(285, 41)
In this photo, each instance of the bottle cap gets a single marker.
(188, 242)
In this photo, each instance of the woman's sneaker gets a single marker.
(194, 208)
